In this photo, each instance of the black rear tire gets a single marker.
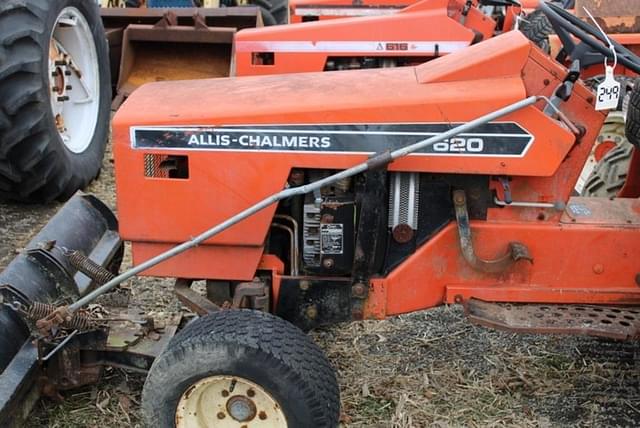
(537, 28)
(632, 127)
(251, 345)
(274, 12)
(280, 11)
(35, 164)
(610, 174)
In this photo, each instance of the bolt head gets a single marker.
(403, 233)
(359, 289)
(312, 312)
(327, 263)
(327, 218)
(304, 285)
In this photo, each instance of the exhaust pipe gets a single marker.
(42, 273)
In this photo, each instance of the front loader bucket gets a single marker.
(152, 44)
(42, 273)
(159, 53)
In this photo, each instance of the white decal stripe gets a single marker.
(346, 11)
(325, 152)
(350, 46)
(224, 130)
(206, 128)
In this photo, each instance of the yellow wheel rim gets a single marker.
(228, 402)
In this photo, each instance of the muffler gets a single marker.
(44, 273)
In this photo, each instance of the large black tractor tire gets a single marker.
(280, 11)
(274, 12)
(632, 126)
(537, 28)
(610, 174)
(241, 355)
(36, 165)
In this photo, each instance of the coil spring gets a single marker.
(38, 310)
(343, 184)
(88, 267)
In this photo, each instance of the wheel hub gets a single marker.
(228, 401)
(241, 408)
(74, 79)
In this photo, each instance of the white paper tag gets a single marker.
(608, 92)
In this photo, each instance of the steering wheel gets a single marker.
(566, 25)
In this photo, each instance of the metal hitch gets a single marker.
(44, 273)
(517, 251)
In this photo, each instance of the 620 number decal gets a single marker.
(459, 145)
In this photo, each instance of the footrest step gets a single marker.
(622, 323)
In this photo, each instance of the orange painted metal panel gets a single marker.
(228, 262)
(425, 30)
(568, 259)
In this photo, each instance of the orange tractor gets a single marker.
(420, 32)
(383, 37)
(335, 197)
(318, 10)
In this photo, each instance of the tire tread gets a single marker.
(632, 127)
(34, 165)
(610, 174)
(274, 338)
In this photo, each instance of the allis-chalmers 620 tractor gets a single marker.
(310, 199)
(378, 34)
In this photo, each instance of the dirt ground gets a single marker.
(425, 369)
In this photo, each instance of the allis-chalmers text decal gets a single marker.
(505, 139)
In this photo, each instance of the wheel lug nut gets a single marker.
(60, 62)
(67, 72)
(68, 87)
(221, 415)
(63, 98)
(262, 415)
(54, 89)
(251, 393)
(225, 393)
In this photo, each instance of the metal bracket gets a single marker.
(192, 299)
(10, 295)
(506, 189)
(50, 259)
(254, 295)
(517, 251)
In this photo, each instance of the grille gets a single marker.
(152, 166)
(403, 199)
